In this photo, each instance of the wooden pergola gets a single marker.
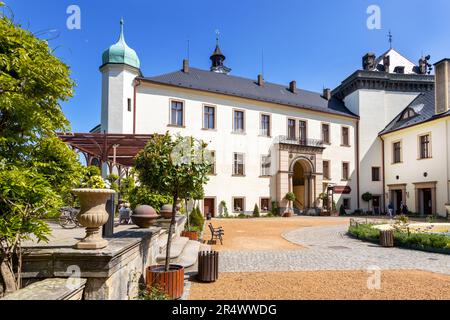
(115, 150)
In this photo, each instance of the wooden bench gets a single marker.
(216, 233)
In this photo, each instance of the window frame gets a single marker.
(287, 129)
(204, 106)
(213, 171)
(429, 146)
(235, 165)
(379, 174)
(261, 165)
(129, 105)
(183, 114)
(269, 133)
(343, 143)
(348, 171)
(322, 125)
(243, 121)
(243, 204)
(268, 204)
(306, 129)
(400, 160)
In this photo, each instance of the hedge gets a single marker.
(419, 241)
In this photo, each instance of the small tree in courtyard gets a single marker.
(367, 197)
(173, 166)
(290, 197)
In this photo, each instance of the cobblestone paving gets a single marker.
(328, 248)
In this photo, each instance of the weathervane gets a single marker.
(217, 36)
(390, 39)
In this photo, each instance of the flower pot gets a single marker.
(166, 211)
(144, 216)
(192, 235)
(170, 282)
(92, 216)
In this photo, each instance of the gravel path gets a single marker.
(328, 248)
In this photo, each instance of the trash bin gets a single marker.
(208, 266)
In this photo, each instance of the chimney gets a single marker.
(442, 86)
(185, 65)
(293, 86)
(260, 80)
(327, 94)
(386, 63)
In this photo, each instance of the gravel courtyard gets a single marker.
(313, 258)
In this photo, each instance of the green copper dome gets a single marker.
(121, 52)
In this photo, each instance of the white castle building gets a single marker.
(382, 131)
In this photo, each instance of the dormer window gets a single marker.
(409, 113)
(399, 69)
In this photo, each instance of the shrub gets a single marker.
(143, 196)
(152, 293)
(224, 212)
(402, 218)
(364, 232)
(290, 196)
(242, 216)
(196, 218)
(256, 213)
(275, 211)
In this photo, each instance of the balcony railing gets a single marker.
(300, 142)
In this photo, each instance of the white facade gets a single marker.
(413, 174)
(153, 102)
(374, 97)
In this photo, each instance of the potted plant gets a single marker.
(195, 224)
(92, 213)
(290, 197)
(174, 167)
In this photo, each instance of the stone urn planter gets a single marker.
(144, 216)
(166, 211)
(170, 282)
(93, 216)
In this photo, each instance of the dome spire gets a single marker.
(217, 58)
(120, 52)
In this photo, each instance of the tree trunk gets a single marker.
(169, 236)
(9, 279)
(187, 214)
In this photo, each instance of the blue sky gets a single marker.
(318, 43)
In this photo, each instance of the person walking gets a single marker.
(405, 210)
(390, 210)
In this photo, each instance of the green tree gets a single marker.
(256, 213)
(37, 170)
(290, 197)
(367, 197)
(176, 167)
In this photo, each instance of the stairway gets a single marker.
(183, 252)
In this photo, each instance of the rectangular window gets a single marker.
(425, 147)
(238, 121)
(209, 117)
(325, 133)
(265, 166)
(397, 152)
(265, 204)
(291, 129)
(238, 204)
(347, 203)
(176, 117)
(376, 174)
(302, 131)
(129, 105)
(212, 171)
(345, 137)
(345, 171)
(265, 125)
(326, 170)
(238, 164)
